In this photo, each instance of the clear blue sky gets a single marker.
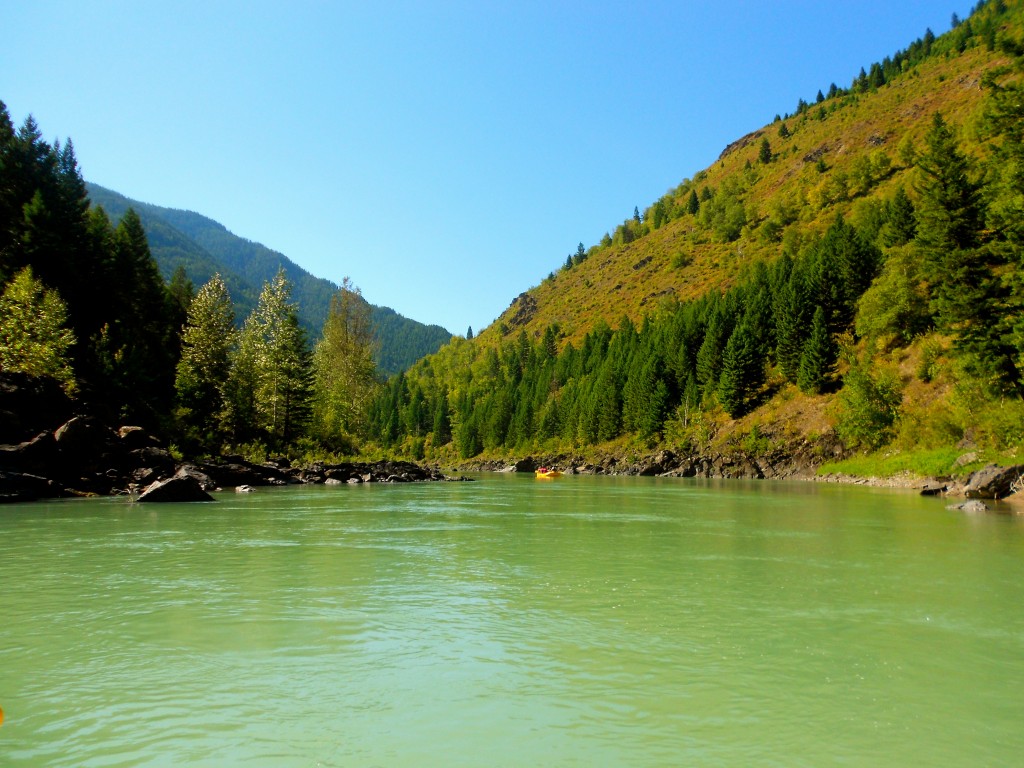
(444, 155)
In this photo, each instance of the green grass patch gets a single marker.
(926, 463)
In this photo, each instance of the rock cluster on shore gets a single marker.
(794, 461)
(47, 450)
(991, 482)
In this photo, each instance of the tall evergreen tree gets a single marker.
(742, 371)
(967, 298)
(819, 356)
(271, 377)
(793, 311)
(901, 219)
(693, 203)
(949, 225)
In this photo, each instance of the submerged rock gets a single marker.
(971, 507)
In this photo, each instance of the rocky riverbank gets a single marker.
(798, 462)
(49, 448)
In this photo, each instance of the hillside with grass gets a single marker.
(844, 280)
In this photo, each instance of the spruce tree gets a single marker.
(764, 152)
(693, 203)
(740, 367)
(901, 219)
(270, 385)
(792, 313)
(709, 355)
(819, 356)
(441, 426)
(967, 299)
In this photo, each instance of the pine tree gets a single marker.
(469, 333)
(743, 371)
(967, 299)
(644, 395)
(792, 312)
(819, 356)
(709, 355)
(581, 254)
(441, 426)
(271, 377)
(764, 152)
(693, 203)
(901, 219)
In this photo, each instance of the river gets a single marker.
(585, 621)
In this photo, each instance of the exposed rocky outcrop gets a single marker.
(182, 487)
(994, 482)
(800, 459)
(521, 310)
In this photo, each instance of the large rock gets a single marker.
(17, 487)
(38, 455)
(84, 441)
(659, 464)
(994, 482)
(205, 481)
(134, 438)
(157, 459)
(181, 487)
(240, 472)
(30, 405)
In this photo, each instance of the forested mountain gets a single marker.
(852, 269)
(205, 247)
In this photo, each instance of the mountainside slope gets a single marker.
(204, 247)
(862, 139)
(846, 277)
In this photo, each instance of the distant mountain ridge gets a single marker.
(204, 247)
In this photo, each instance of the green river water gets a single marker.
(585, 621)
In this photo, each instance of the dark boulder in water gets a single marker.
(181, 487)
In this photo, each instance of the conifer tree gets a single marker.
(441, 426)
(735, 383)
(901, 219)
(792, 313)
(693, 203)
(764, 152)
(709, 355)
(819, 356)
(270, 385)
(644, 395)
(966, 297)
